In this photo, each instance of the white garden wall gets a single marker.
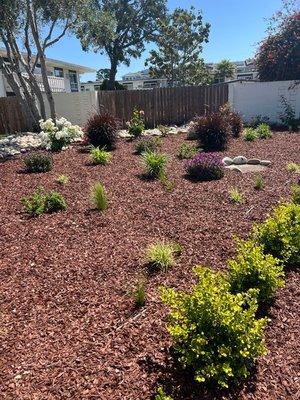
(263, 98)
(76, 107)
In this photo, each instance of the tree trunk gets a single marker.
(112, 76)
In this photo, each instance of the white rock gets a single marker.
(266, 163)
(227, 160)
(239, 160)
(153, 132)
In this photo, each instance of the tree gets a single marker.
(179, 41)
(278, 57)
(27, 29)
(224, 69)
(105, 85)
(125, 26)
(103, 74)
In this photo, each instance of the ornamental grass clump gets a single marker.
(99, 197)
(259, 182)
(250, 134)
(205, 167)
(253, 269)
(100, 156)
(161, 255)
(214, 331)
(279, 235)
(101, 130)
(212, 131)
(38, 163)
(236, 196)
(147, 144)
(155, 164)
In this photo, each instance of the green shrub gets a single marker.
(164, 130)
(99, 197)
(187, 151)
(250, 134)
(161, 255)
(263, 131)
(236, 196)
(62, 179)
(214, 331)
(38, 162)
(161, 395)
(54, 202)
(293, 167)
(100, 156)
(41, 202)
(259, 182)
(136, 125)
(252, 269)
(155, 164)
(296, 194)
(280, 234)
(147, 144)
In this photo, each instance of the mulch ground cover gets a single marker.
(68, 327)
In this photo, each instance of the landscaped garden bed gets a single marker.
(69, 328)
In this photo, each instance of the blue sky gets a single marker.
(236, 28)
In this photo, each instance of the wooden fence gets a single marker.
(165, 105)
(12, 118)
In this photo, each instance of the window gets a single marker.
(73, 81)
(58, 72)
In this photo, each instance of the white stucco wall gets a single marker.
(263, 98)
(76, 107)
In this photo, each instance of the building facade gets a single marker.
(244, 70)
(63, 76)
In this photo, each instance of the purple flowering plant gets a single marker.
(205, 167)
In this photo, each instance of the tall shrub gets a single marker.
(212, 131)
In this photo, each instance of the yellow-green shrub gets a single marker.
(252, 269)
(214, 331)
(280, 234)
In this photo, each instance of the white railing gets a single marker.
(57, 84)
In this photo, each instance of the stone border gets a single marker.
(241, 160)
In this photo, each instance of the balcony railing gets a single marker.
(56, 84)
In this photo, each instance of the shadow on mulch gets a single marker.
(180, 385)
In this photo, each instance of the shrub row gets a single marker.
(215, 328)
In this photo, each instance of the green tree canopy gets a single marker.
(120, 29)
(180, 41)
(102, 74)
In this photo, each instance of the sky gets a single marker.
(236, 28)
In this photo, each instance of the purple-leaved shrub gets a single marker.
(205, 167)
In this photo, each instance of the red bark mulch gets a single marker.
(68, 329)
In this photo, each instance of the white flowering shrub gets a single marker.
(58, 136)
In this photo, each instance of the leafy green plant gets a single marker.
(259, 182)
(252, 269)
(250, 134)
(280, 234)
(155, 164)
(263, 131)
(215, 332)
(236, 196)
(41, 202)
(139, 294)
(164, 130)
(288, 116)
(62, 179)
(100, 156)
(136, 125)
(161, 255)
(161, 395)
(293, 167)
(147, 144)
(187, 151)
(257, 120)
(99, 197)
(38, 162)
(296, 194)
